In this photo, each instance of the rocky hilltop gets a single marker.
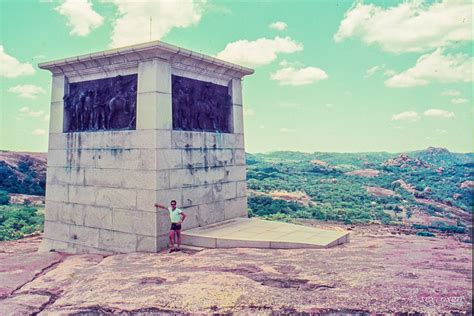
(381, 271)
(405, 161)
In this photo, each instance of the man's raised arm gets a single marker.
(160, 206)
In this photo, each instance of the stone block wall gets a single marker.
(98, 185)
(209, 182)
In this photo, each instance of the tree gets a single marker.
(4, 198)
(397, 209)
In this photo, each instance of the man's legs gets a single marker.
(171, 236)
(178, 235)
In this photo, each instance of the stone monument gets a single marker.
(138, 125)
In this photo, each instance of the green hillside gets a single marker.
(363, 187)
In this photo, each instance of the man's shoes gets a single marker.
(177, 249)
(171, 250)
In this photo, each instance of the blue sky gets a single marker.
(336, 76)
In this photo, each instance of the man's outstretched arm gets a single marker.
(160, 206)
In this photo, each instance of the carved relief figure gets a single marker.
(98, 109)
(200, 106)
(101, 104)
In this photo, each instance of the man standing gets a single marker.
(177, 217)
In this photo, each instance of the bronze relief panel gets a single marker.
(200, 106)
(102, 104)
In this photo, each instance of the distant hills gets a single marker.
(426, 185)
(432, 155)
(443, 157)
(23, 172)
(338, 186)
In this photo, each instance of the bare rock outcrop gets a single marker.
(406, 186)
(405, 161)
(375, 273)
(468, 184)
(369, 173)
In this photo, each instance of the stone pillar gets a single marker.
(235, 88)
(58, 86)
(154, 95)
(154, 112)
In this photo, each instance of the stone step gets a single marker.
(192, 248)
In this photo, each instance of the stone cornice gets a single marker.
(130, 56)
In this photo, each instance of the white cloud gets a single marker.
(411, 26)
(26, 111)
(248, 112)
(459, 101)
(389, 72)
(286, 63)
(213, 7)
(434, 67)
(259, 52)
(280, 26)
(438, 113)
(329, 105)
(442, 131)
(287, 130)
(369, 72)
(133, 22)
(288, 104)
(297, 77)
(46, 117)
(410, 116)
(81, 17)
(375, 69)
(27, 91)
(36, 113)
(11, 67)
(451, 93)
(38, 132)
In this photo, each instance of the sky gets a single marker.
(331, 76)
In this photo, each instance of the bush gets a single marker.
(265, 205)
(452, 229)
(386, 220)
(425, 233)
(18, 221)
(4, 198)
(442, 226)
(279, 217)
(419, 226)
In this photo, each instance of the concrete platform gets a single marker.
(257, 233)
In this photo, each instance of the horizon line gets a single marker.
(295, 151)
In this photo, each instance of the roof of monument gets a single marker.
(132, 55)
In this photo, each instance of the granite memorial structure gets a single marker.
(138, 125)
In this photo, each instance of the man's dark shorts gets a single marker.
(175, 226)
